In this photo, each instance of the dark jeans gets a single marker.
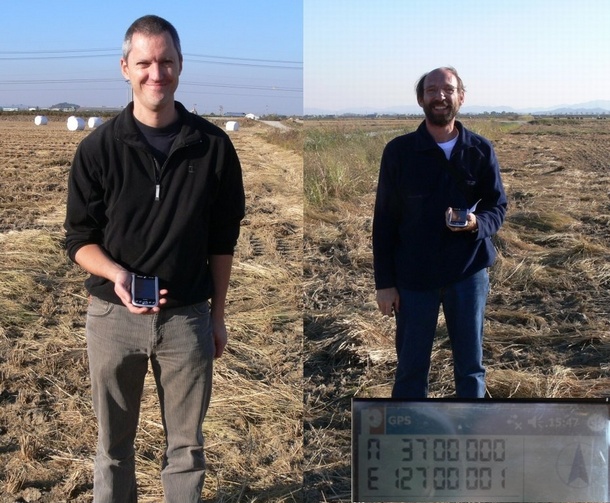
(464, 309)
(179, 345)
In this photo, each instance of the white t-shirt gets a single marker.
(448, 147)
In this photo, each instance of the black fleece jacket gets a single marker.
(156, 220)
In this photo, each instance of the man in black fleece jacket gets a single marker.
(156, 191)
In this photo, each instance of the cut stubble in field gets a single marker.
(547, 325)
(47, 428)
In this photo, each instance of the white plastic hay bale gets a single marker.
(76, 123)
(94, 122)
(232, 126)
(41, 120)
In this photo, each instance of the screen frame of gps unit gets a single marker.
(448, 425)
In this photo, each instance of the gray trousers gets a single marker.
(179, 344)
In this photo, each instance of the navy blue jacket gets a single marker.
(156, 220)
(412, 247)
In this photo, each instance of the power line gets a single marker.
(238, 86)
(33, 58)
(116, 84)
(57, 81)
(121, 81)
(61, 51)
(198, 58)
(243, 59)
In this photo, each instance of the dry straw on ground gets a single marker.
(547, 324)
(47, 429)
(269, 431)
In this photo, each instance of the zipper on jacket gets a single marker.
(157, 180)
(159, 169)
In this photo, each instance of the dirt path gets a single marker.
(262, 372)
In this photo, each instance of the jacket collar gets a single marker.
(466, 138)
(126, 129)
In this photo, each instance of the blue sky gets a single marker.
(241, 55)
(518, 53)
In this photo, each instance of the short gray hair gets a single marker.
(150, 25)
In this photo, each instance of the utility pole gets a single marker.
(129, 92)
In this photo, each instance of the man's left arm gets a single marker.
(227, 213)
(220, 267)
(491, 210)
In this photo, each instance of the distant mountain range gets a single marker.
(597, 107)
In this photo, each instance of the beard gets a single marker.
(441, 117)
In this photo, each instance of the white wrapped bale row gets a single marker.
(74, 123)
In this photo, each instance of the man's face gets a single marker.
(442, 99)
(153, 67)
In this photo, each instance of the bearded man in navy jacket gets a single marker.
(421, 259)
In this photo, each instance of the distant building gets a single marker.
(252, 116)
